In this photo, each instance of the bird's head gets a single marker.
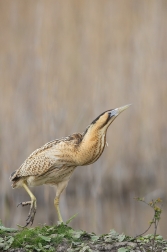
(102, 122)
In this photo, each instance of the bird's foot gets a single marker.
(32, 212)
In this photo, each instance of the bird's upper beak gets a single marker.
(117, 111)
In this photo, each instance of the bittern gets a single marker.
(54, 162)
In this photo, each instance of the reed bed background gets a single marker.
(62, 63)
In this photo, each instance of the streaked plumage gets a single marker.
(55, 161)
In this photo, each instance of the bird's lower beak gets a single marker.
(117, 111)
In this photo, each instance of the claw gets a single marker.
(19, 204)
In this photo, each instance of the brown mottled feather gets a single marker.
(48, 156)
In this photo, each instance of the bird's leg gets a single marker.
(33, 206)
(60, 188)
(56, 203)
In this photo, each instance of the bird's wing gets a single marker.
(49, 156)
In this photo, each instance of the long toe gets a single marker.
(31, 215)
(30, 219)
(32, 212)
(26, 203)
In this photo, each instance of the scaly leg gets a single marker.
(56, 203)
(33, 206)
(60, 188)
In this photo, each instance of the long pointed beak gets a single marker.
(120, 109)
(117, 111)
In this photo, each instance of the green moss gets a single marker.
(37, 238)
(42, 235)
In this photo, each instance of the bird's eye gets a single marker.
(113, 112)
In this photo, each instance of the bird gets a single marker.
(54, 162)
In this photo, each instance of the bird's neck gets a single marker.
(92, 146)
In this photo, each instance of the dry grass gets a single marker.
(64, 62)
